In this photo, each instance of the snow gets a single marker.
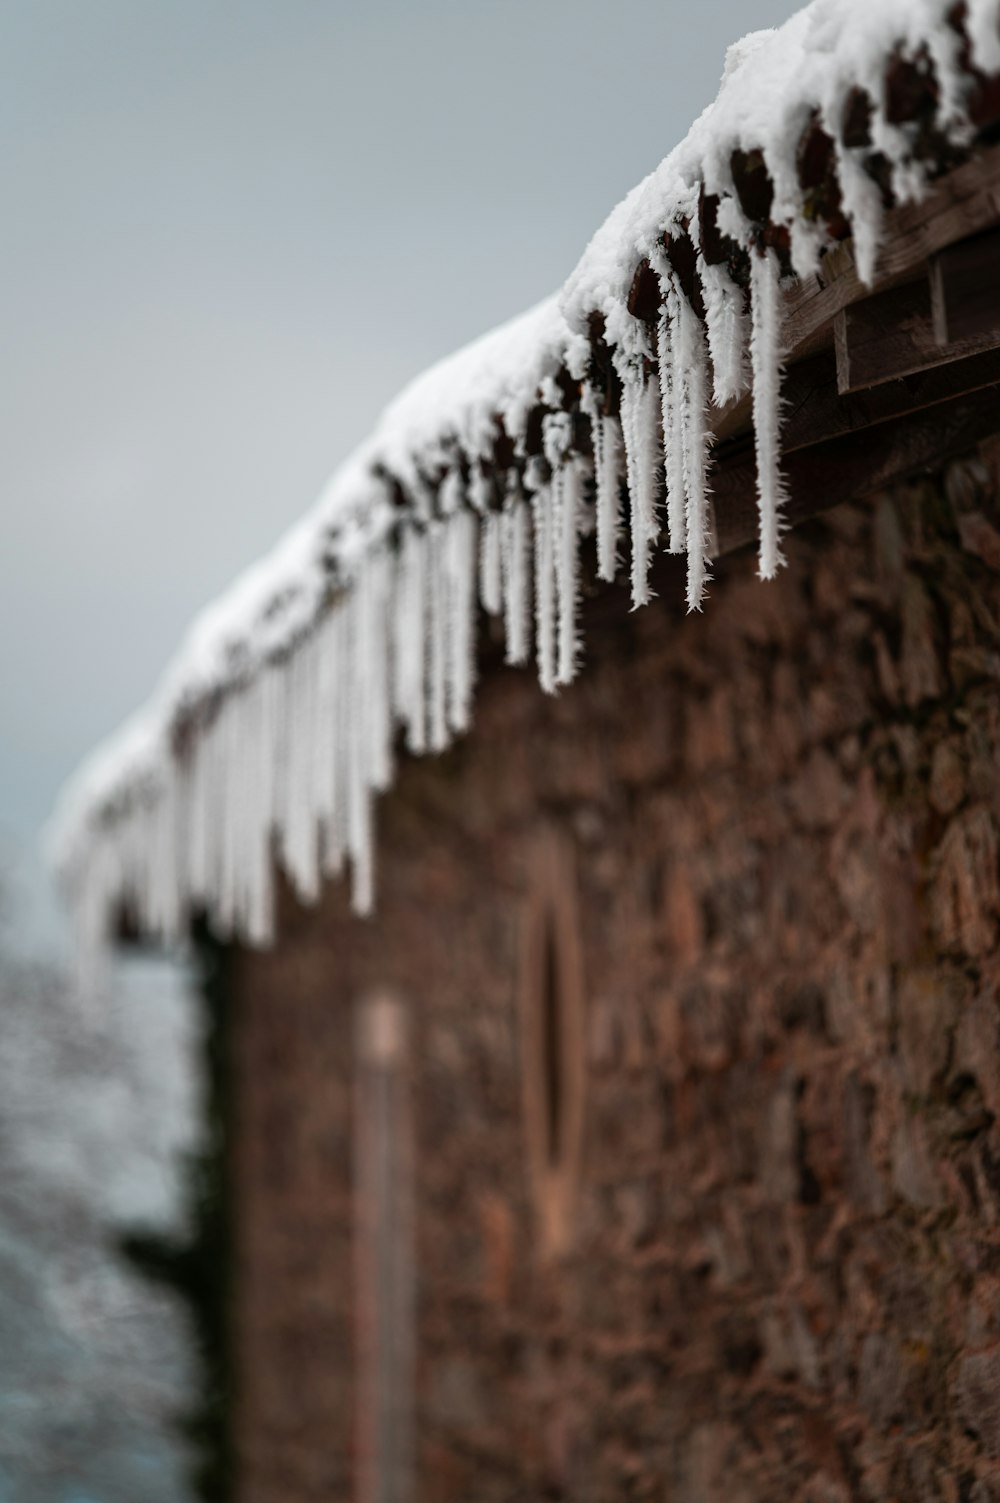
(694, 444)
(490, 580)
(640, 419)
(276, 724)
(606, 440)
(765, 347)
(514, 559)
(545, 610)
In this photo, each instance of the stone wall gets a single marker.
(784, 1274)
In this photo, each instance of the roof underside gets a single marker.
(844, 165)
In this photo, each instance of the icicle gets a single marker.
(359, 809)
(807, 240)
(297, 829)
(375, 596)
(219, 831)
(982, 27)
(325, 728)
(864, 209)
(370, 739)
(197, 860)
(693, 360)
(309, 792)
(479, 489)
(183, 768)
(215, 815)
(204, 809)
(490, 583)
(203, 864)
(557, 437)
(271, 765)
(515, 579)
(303, 793)
(765, 355)
(337, 835)
(567, 488)
(246, 804)
(259, 753)
(157, 862)
(451, 495)
(409, 608)
(641, 433)
(242, 813)
(672, 400)
(437, 658)
(726, 326)
(233, 715)
(606, 442)
(227, 823)
(330, 823)
(271, 717)
(541, 505)
(460, 563)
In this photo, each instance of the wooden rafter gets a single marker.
(882, 382)
(845, 468)
(894, 334)
(964, 203)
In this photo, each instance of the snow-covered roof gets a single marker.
(278, 720)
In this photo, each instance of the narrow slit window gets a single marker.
(552, 1039)
(383, 1233)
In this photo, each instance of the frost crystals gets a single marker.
(643, 463)
(607, 446)
(287, 762)
(765, 358)
(682, 357)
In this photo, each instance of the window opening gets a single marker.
(552, 1038)
(383, 1233)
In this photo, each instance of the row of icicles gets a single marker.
(291, 762)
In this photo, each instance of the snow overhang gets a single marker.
(843, 151)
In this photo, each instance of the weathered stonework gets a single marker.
(785, 1275)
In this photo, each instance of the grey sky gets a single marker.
(229, 234)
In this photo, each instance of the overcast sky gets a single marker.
(230, 233)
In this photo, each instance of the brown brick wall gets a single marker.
(785, 1276)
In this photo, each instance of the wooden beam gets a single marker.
(965, 289)
(892, 334)
(963, 203)
(815, 412)
(844, 469)
(818, 478)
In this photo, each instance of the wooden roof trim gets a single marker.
(963, 203)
